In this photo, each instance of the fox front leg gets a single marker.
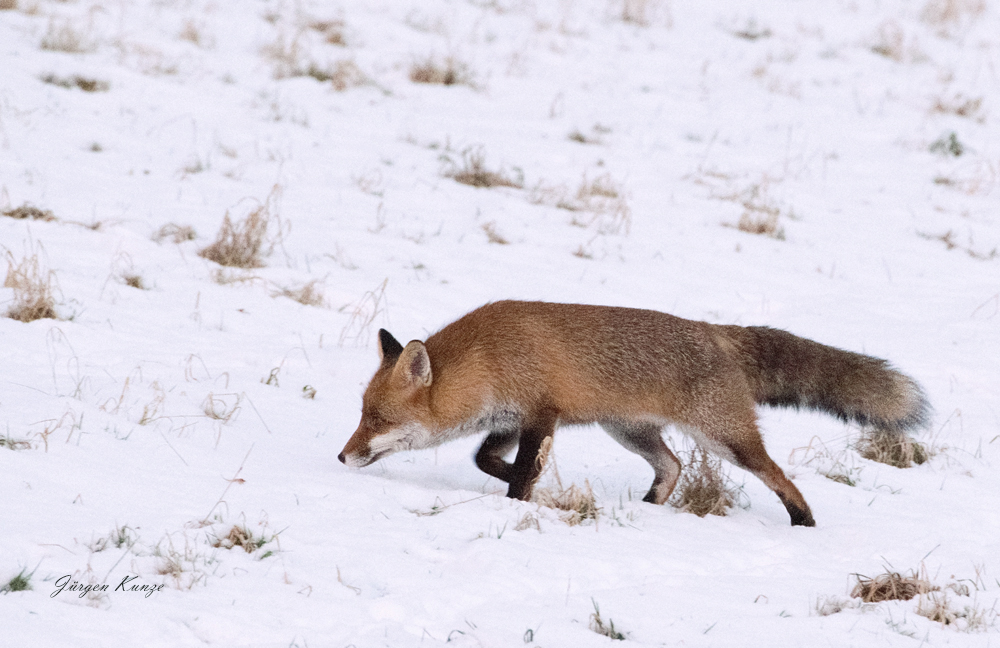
(490, 456)
(527, 467)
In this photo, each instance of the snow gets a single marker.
(887, 248)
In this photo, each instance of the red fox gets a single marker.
(520, 369)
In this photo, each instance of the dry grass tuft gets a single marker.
(474, 173)
(176, 233)
(286, 54)
(890, 42)
(605, 199)
(761, 212)
(451, 72)
(703, 488)
(309, 294)
(971, 618)
(949, 14)
(222, 407)
(63, 36)
(223, 278)
(493, 235)
(636, 12)
(34, 295)
(608, 629)
(948, 238)
(75, 81)
(751, 31)
(937, 607)
(828, 605)
(332, 31)
(14, 444)
(133, 280)
(891, 586)
(342, 75)
(577, 136)
(836, 466)
(600, 203)
(363, 314)
(244, 244)
(8, 5)
(578, 504)
(892, 447)
(195, 33)
(240, 536)
(959, 105)
(28, 211)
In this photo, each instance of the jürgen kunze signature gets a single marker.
(68, 584)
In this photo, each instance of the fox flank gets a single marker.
(518, 370)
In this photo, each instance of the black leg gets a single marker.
(527, 467)
(490, 455)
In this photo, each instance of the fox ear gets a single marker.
(414, 365)
(388, 347)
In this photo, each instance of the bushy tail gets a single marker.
(788, 371)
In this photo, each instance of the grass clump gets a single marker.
(245, 243)
(473, 172)
(331, 30)
(62, 36)
(608, 629)
(244, 538)
(959, 105)
(309, 294)
(950, 16)
(27, 211)
(599, 203)
(890, 586)
(835, 465)
(134, 280)
(604, 198)
(19, 583)
(75, 81)
(494, 236)
(577, 504)
(761, 213)
(892, 447)
(703, 488)
(936, 606)
(932, 601)
(120, 536)
(33, 290)
(827, 605)
(342, 75)
(450, 72)
(948, 145)
(176, 233)
(752, 31)
(14, 444)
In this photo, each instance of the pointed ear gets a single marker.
(414, 365)
(388, 347)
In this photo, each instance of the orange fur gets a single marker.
(519, 369)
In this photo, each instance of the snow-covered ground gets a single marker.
(145, 423)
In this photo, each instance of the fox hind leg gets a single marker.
(645, 440)
(742, 445)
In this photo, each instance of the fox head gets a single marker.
(395, 410)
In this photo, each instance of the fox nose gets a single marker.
(341, 457)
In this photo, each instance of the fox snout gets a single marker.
(357, 453)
